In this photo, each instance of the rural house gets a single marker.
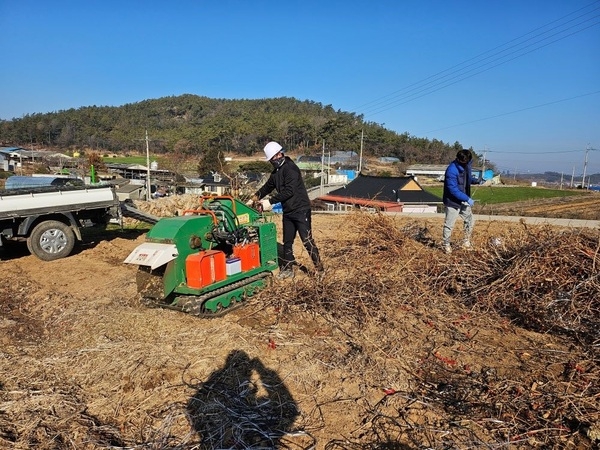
(437, 171)
(213, 183)
(433, 171)
(394, 194)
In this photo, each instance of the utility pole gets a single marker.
(587, 150)
(148, 189)
(483, 163)
(362, 137)
(572, 176)
(323, 168)
(328, 166)
(561, 180)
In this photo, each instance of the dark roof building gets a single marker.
(399, 194)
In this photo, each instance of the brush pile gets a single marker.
(455, 394)
(167, 206)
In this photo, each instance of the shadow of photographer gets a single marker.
(242, 405)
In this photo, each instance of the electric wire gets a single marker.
(513, 112)
(461, 77)
(516, 48)
(469, 60)
(482, 63)
(537, 153)
(567, 161)
(437, 79)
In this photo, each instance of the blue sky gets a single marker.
(518, 80)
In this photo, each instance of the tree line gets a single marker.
(196, 126)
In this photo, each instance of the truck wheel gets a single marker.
(51, 240)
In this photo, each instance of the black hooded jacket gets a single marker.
(291, 192)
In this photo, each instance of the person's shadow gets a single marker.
(242, 405)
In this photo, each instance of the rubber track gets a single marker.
(193, 304)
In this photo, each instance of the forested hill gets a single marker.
(192, 124)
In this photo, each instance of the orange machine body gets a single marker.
(204, 268)
(249, 255)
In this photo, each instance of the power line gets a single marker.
(539, 153)
(458, 73)
(438, 79)
(533, 153)
(473, 58)
(514, 112)
(567, 161)
(461, 77)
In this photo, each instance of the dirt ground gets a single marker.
(384, 351)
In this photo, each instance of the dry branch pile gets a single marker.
(542, 279)
(170, 206)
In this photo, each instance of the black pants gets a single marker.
(298, 221)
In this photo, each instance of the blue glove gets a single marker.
(470, 202)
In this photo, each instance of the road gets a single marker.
(572, 223)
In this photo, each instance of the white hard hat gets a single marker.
(271, 149)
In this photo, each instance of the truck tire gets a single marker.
(51, 240)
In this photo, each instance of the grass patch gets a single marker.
(129, 160)
(189, 165)
(487, 195)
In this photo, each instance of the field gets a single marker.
(534, 201)
(128, 160)
(397, 346)
(490, 195)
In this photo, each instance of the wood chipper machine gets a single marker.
(207, 260)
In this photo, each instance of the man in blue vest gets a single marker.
(457, 198)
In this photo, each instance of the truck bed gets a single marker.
(25, 202)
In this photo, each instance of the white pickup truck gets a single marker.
(50, 217)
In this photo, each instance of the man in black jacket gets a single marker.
(286, 179)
